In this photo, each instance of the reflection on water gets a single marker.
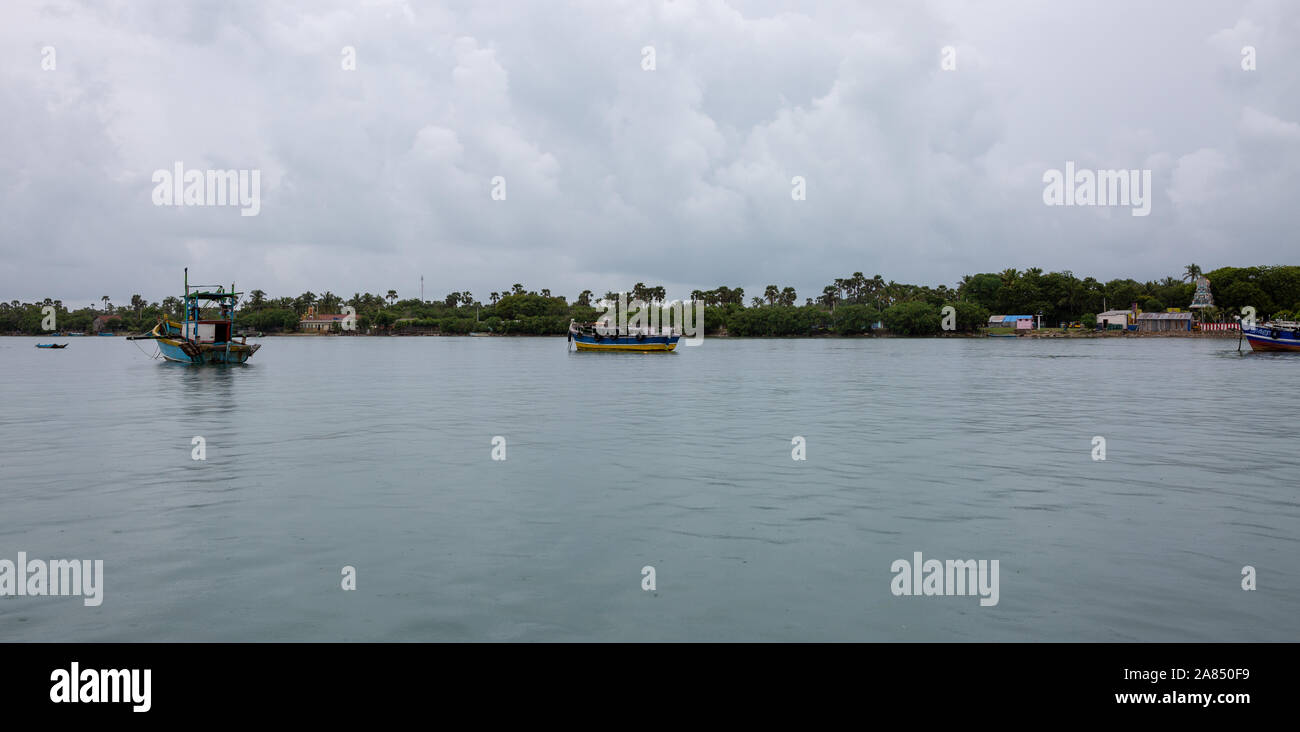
(376, 453)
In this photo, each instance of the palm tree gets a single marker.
(756, 301)
(256, 298)
(830, 296)
(639, 292)
(516, 289)
(771, 293)
(1192, 272)
(584, 298)
(494, 297)
(546, 292)
(788, 296)
(391, 296)
(107, 307)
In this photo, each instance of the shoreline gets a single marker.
(1034, 335)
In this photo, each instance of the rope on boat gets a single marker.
(157, 353)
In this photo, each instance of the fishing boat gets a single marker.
(599, 337)
(1277, 335)
(199, 339)
(51, 345)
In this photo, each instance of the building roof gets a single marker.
(323, 318)
(1164, 316)
(1005, 318)
(1114, 312)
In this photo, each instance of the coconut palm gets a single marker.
(1192, 272)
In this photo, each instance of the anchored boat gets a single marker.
(201, 339)
(51, 345)
(1277, 335)
(598, 337)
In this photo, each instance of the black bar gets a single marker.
(921, 682)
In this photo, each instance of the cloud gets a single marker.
(679, 176)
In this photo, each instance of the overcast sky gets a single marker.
(615, 174)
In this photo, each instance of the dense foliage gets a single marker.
(854, 305)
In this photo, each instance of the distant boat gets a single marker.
(479, 335)
(104, 334)
(1279, 335)
(596, 337)
(199, 340)
(76, 334)
(51, 345)
(1001, 335)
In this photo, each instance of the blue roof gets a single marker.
(1017, 317)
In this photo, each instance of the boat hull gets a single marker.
(1272, 339)
(208, 353)
(625, 343)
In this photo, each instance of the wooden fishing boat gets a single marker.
(199, 339)
(598, 337)
(1277, 335)
(51, 345)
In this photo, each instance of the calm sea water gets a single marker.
(377, 453)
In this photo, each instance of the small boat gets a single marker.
(200, 340)
(104, 334)
(1277, 335)
(76, 334)
(51, 345)
(599, 337)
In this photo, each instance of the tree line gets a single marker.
(852, 305)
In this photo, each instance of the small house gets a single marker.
(1112, 319)
(1164, 322)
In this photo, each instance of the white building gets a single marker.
(1116, 317)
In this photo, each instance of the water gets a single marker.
(376, 453)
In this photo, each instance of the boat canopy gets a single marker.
(212, 295)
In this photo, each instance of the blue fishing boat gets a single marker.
(51, 345)
(598, 337)
(202, 338)
(1278, 335)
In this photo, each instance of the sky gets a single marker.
(377, 130)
